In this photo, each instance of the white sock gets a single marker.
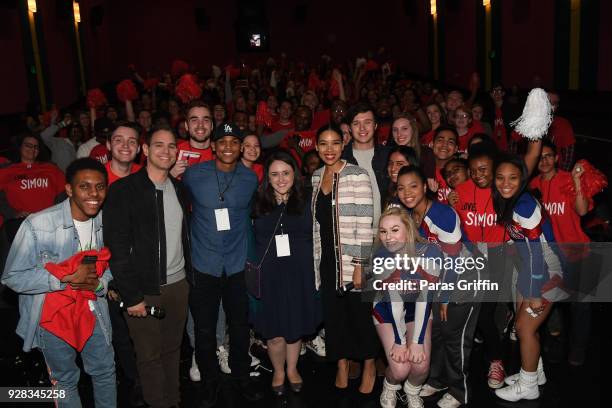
(391, 386)
(412, 389)
(528, 378)
(540, 364)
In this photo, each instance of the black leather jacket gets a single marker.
(134, 231)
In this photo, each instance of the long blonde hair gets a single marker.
(412, 233)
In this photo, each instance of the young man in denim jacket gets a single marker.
(55, 235)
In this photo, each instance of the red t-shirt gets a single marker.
(258, 169)
(112, 177)
(31, 187)
(478, 217)
(192, 154)
(276, 126)
(382, 133)
(443, 188)
(320, 118)
(427, 138)
(472, 130)
(561, 132)
(499, 131)
(560, 206)
(308, 140)
(4, 160)
(100, 153)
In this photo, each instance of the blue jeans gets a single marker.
(98, 361)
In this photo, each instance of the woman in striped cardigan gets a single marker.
(342, 207)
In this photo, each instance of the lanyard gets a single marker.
(222, 193)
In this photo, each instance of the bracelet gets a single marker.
(100, 287)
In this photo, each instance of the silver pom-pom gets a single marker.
(537, 115)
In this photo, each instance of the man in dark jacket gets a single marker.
(146, 229)
(365, 153)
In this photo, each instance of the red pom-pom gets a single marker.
(126, 91)
(263, 116)
(371, 65)
(95, 98)
(179, 67)
(187, 88)
(150, 83)
(592, 182)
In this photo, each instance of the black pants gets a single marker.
(451, 348)
(204, 299)
(122, 343)
(486, 319)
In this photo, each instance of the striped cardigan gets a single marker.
(353, 210)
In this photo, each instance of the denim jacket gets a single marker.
(47, 236)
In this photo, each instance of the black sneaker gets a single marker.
(209, 394)
(249, 390)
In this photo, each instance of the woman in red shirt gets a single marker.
(466, 127)
(435, 113)
(251, 150)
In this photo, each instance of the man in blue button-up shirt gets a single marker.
(221, 194)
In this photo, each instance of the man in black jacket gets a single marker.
(146, 228)
(364, 152)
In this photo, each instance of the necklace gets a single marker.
(418, 219)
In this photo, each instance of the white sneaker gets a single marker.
(496, 375)
(427, 390)
(222, 356)
(518, 391)
(254, 360)
(511, 379)
(303, 349)
(317, 345)
(412, 395)
(513, 336)
(448, 401)
(388, 396)
(194, 371)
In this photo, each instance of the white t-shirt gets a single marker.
(86, 148)
(87, 241)
(364, 160)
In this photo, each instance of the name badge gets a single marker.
(282, 245)
(222, 218)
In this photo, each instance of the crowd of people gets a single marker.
(248, 209)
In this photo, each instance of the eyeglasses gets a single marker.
(547, 156)
(463, 116)
(31, 146)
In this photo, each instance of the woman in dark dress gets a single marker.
(343, 209)
(288, 309)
